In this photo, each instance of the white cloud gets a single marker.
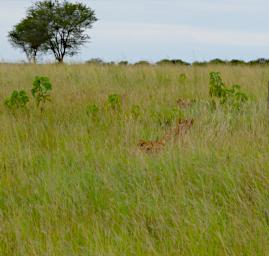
(179, 33)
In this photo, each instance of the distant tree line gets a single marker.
(178, 62)
(53, 26)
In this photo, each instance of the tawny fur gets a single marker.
(180, 129)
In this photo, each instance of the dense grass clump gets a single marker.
(74, 181)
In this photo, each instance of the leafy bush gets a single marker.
(142, 63)
(237, 62)
(114, 101)
(95, 61)
(260, 61)
(217, 62)
(232, 97)
(124, 63)
(18, 99)
(40, 91)
(173, 62)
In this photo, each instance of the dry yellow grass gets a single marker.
(71, 184)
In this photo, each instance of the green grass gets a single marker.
(73, 184)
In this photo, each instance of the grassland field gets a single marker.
(71, 184)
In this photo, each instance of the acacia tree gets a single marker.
(29, 35)
(66, 25)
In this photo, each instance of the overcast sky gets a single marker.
(155, 29)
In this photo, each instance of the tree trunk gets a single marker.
(34, 57)
(60, 61)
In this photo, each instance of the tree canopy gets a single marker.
(53, 26)
(29, 35)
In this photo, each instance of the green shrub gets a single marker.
(40, 91)
(114, 101)
(123, 63)
(231, 97)
(95, 61)
(18, 99)
(142, 63)
(173, 62)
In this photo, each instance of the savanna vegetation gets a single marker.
(134, 160)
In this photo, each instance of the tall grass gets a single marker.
(71, 184)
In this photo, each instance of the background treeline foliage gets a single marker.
(179, 62)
